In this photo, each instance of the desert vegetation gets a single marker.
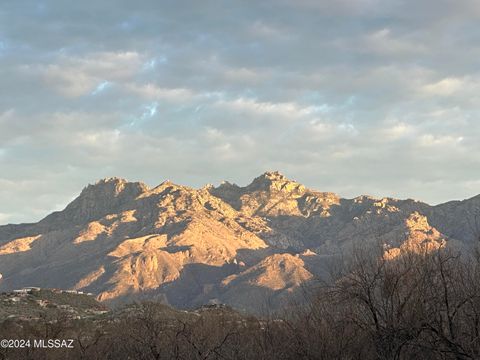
(415, 306)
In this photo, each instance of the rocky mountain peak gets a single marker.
(273, 175)
(113, 179)
(96, 200)
(274, 180)
(167, 184)
(111, 188)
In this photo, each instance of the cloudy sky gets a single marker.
(352, 96)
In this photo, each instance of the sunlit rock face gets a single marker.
(272, 194)
(249, 246)
(418, 237)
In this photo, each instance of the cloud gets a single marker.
(4, 218)
(74, 76)
(398, 130)
(384, 43)
(349, 96)
(154, 92)
(444, 87)
(429, 140)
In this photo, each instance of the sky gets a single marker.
(378, 97)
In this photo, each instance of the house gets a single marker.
(71, 291)
(21, 291)
(32, 288)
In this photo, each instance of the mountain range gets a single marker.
(255, 247)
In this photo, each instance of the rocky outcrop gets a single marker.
(275, 280)
(105, 197)
(272, 194)
(415, 236)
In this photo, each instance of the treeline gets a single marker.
(416, 306)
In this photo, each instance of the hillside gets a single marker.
(48, 304)
(245, 246)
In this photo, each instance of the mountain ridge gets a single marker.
(224, 183)
(124, 240)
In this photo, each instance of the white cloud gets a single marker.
(77, 76)
(154, 92)
(430, 140)
(253, 107)
(398, 130)
(444, 87)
